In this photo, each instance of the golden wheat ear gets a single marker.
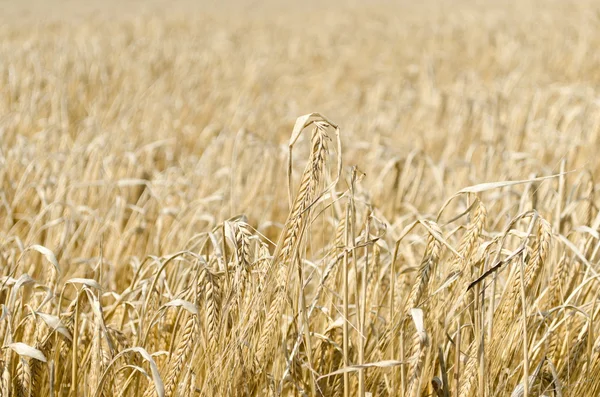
(291, 235)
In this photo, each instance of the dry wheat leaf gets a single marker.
(88, 282)
(55, 323)
(189, 306)
(49, 255)
(23, 349)
(354, 368)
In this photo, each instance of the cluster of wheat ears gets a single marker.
(167, 230)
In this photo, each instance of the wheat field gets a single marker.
(265, 199)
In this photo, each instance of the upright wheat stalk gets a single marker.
(290, 239)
